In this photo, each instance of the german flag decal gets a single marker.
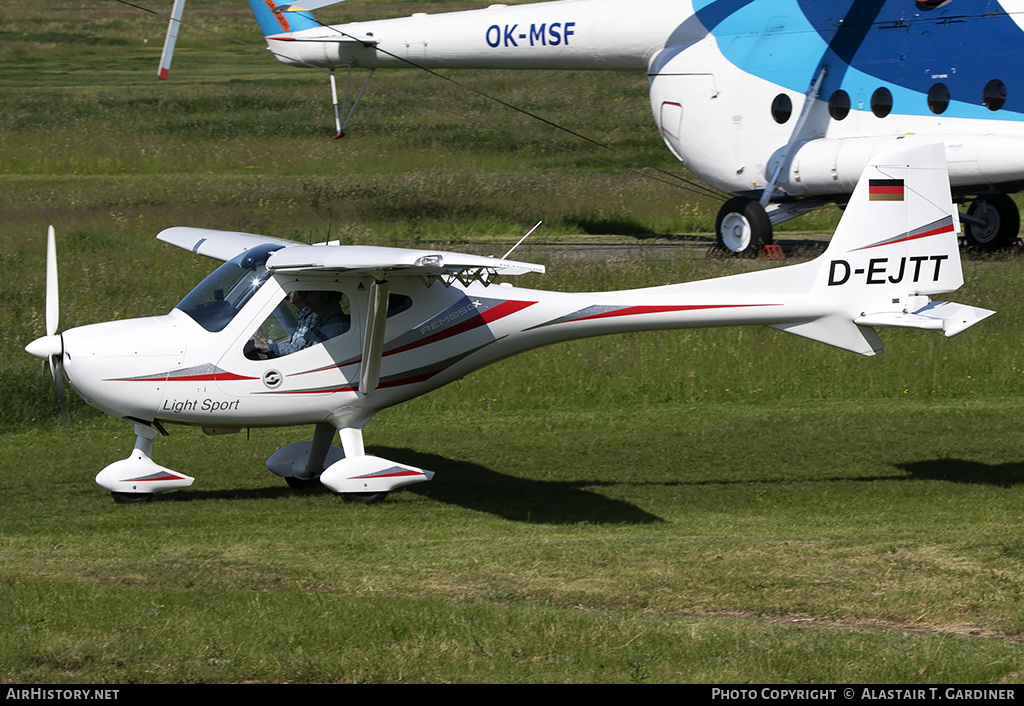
(885, 190)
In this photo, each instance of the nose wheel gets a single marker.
(363, 498)
(743, 226)
(131, 498)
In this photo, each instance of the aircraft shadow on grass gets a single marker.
(955, 470)
(476, 487)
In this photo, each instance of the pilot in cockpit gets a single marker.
(319, 319)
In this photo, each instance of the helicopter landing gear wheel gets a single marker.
(992, 222)
(131, 498)
(363, 498)
(743, 226)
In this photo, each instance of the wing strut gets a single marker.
(373, 337)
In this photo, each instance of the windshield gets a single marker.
(216, 300)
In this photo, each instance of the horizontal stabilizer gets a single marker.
(937, 316)
(838, 331)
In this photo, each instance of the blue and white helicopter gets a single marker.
(285, 334)
(779, 103)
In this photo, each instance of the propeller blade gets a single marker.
(52, 299)
(57, 371)
(50, 348)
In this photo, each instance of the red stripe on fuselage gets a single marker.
(495, 313)
(637, 310)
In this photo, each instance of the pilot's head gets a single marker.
(323, 300)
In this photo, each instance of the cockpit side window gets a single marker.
(215, 301)
(397, 303)
(304, 319)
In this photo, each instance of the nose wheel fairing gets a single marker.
(138, 475)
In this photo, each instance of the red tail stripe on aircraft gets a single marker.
(943, 225)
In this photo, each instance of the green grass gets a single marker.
(716, 506)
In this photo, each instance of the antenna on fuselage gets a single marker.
(505, 256)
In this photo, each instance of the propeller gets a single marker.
(50, 347)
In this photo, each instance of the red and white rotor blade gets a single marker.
(172, 37)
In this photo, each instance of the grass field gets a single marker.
(711, 506)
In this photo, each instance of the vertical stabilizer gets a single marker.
(896, 244)
(277, 20)
(898, 234)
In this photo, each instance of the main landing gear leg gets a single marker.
(338, 124)
(301, 463)
(352, 440)
(362, 478)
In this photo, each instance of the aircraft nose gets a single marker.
(120, 367)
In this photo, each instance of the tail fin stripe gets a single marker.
(939, 227)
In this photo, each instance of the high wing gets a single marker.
(218, 244)
(358, 260)
(368, 260)
(363, 261)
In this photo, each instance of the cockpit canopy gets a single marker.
(215, 301)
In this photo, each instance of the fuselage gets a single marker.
(174, 369)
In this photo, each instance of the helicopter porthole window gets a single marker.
(938, 98)
(994, 95)
(881, 102)
(839, 105)
(782, 108)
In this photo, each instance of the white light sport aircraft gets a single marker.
(379, 326)
(779, 103)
